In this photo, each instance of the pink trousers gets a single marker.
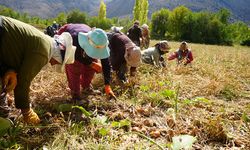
(79, 74)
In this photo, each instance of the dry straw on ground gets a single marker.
(213, 95)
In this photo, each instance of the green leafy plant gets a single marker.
(5, 124)
(170, 94)
(228, 93)
(183, 142)
(64, 107)
(144, 88)
(245, 117)
(196, 100)
(100, 120)
(203, 100)
(8, 134)
(121, 123)
(83, 110)
(103, 131)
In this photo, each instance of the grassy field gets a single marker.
(209, 101)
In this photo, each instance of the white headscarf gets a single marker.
(63, 42)
(56, 54)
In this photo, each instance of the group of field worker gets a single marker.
(78, 50)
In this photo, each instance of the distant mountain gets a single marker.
(49, 8)
(240, 8)
(120, 8)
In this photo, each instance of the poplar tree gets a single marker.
(144, 12)
(137, 9)
(140, 11)
(102, 11)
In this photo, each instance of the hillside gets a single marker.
(212, 99)
(121, 8)
(48, 8)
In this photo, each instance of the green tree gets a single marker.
(61, 18)
(179, 18)
(9, 12)
(100, 23)
(144, 12)
(136, 11)
(224, 15)
(36, 20)
(76, 16)
(126, 23)
(159, 23)
(102, 10)
(208, 28)
(200, 27)
(25, 18)
(238, 31)
(215, 32)
(140, 11)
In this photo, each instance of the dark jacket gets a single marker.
(117, 45)
(3, 68)
(135, 33)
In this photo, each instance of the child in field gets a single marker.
(183, 55)
(154, 55)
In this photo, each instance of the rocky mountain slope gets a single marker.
(122, 8)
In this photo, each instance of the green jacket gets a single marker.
(26, 50)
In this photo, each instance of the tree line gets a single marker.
(179, 24)
(200, 27)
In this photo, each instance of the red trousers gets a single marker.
(79, 74)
